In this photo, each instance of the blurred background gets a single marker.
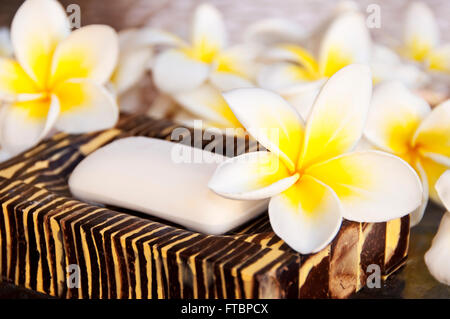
(173, 15)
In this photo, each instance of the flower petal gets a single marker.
(208, 29)
(14, 80)
(270, 120)
(421, 32)
(372, 186)
(131, 67)
(302, 96)
(443, 189)
(394, 116)
(272, 31)
(338, 115)
(433, 134)
(90, 52)
(307, 216)
(252, 176)
(386, 65)
(296, 54)
(347, 41)
(439, 59)
(226, 81)
(207, 102)
(24, 124)
(282, 75)
(437, 258)
(38, 27)
(174, 72)
(238, 60)
(85, 107)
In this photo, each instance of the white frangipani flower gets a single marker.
(437, 258)
(346, 41)
(57, 80)
(188, 67)
(404, 124)
(421, 42)
(194, 74)
(309, 174)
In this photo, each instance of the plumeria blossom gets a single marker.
(403, 124)
(57, 78)
(206, 57)
(194, 74)
(298, 75)
(421, 42)
(309, 174)
(437, 258)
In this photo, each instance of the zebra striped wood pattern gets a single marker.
(123, 254)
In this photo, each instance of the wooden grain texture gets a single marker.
(124, 254)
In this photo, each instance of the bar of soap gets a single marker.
(150, 176)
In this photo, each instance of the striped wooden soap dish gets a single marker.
(57, 245)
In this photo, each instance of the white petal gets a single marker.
(347, 41)
(394, 116)
(439, 59)
(302, 96)
(252, 176)
(24, 124)
(307, 216)
(272, 31)
(131, 67)
(338, 116)
(208, 27)
(38, 27)
(227, 81)
(279, 76)
(443, 189)
(89, 52)
(433, 134)
(437, 258)
(144, 174)
(386, 65)
(175, 72)
(207, 102)
(85, 107)
(383, 55)
(421, 32)
(372, 186)
(270, 120)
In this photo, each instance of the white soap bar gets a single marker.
(149, 175)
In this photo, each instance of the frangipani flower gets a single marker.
(188, 67)
(346, 41)
(312, 181)
(437, 258)
(57, 80)
(403, 124)
(422, 39)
